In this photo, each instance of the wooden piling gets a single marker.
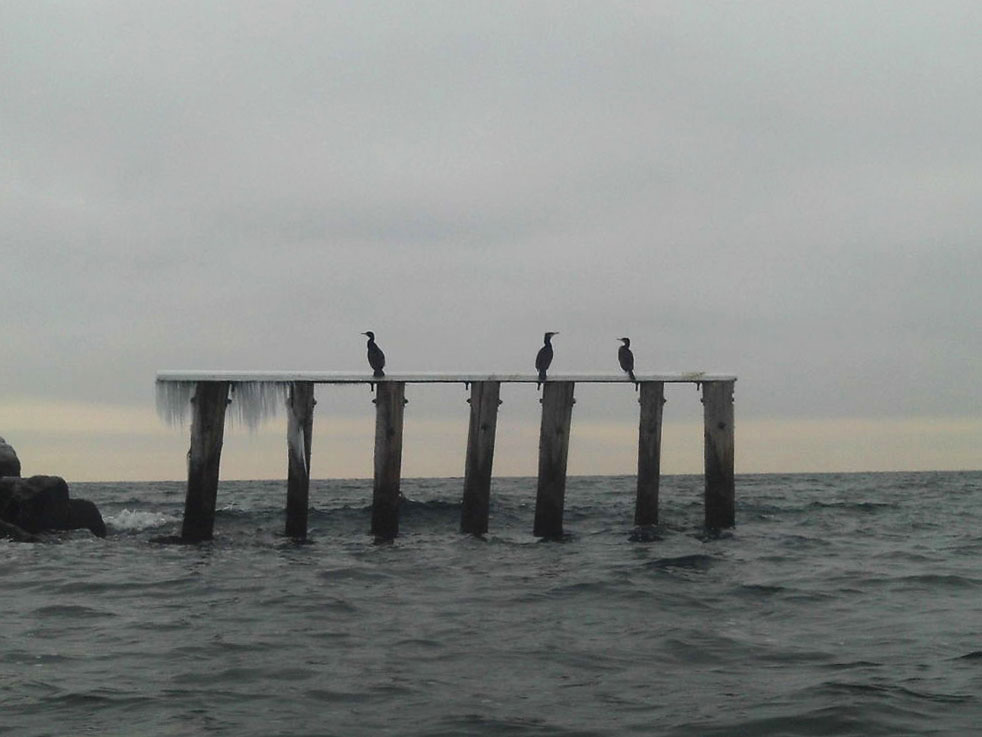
(204, 458)
(300, 421)
(212, 389)
(389, 402)
(557, 412)
(649, 452)
(717, 400)
(480, 456)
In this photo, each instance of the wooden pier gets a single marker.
(260, 393)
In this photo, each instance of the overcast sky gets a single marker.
(787, 191)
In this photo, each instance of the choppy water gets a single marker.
(840, 605)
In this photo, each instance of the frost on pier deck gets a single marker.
(255, 396)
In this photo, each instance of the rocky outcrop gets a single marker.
(13, 532)
(35, 504)
(9, 462)
(85, 515)
(41, 503)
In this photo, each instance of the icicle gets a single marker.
(174, 401)
(295, 443)
(254, 402)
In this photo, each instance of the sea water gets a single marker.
(841, 604)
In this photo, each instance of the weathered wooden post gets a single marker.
(649, 452)
(389, 402)
(717, 401)
(299, 427)
(557, 411)
(204, 457)
(480, 456)
(258, 389)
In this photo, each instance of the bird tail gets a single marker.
(378, 373)
(631, 374)
(542, 378)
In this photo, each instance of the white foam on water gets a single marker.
(134, 521)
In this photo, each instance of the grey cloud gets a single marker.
(784, 190)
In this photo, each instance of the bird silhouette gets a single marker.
(543, 358)
(376, 359)
(626, 359)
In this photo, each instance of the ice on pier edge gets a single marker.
(258, 396)
(252, 402)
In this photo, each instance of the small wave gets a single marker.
(853, 506)
(70, 611)
(353, 573)
(587, 588)
(689, 562)
(429, 505)
(759, 589)
(516, 725)
(931, 580)
(848, 689)
(346, 697)
(851, 665)
(134, 521)
(644, 535)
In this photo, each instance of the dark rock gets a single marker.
(84, 515)
(36, 503)
(9, 462)
(13, 532)
(41, 503)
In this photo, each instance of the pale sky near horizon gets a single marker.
(786, 191)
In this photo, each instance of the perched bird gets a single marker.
(626, 358)
(376, 359)
(544, 357)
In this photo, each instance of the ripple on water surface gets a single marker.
(841, 604)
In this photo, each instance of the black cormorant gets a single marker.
(544, 357)
(626, 358)
(376, 359)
